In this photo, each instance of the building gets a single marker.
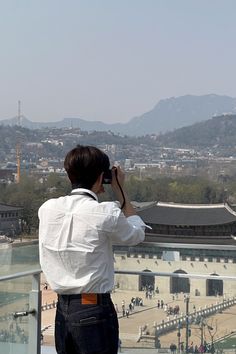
(7, 175)
(194, 224)
(185, 239)
(10, 220)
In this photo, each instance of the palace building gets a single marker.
(194, 224)
(184, 239)
(10, 220)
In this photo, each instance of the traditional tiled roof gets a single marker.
(188, 214)
(5, 207)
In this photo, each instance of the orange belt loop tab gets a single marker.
(89, 299)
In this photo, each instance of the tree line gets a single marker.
(30, 193)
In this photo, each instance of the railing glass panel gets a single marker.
(14, 331)
(20, 300)
(18, 257)
(197, 287)
(197, 292)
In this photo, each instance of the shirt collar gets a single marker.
(80, 190)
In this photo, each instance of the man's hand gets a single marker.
(117, 184)
(118, 178)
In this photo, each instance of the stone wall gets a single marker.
(132, 282)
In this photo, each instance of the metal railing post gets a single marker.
(35, 317)
(187, 323)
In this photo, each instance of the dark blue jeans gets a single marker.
(86, 329)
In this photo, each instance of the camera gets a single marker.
(107, 177)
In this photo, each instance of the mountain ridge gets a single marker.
(167, 115)
(216, 135)
(217, 132)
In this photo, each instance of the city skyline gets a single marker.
(111, 61)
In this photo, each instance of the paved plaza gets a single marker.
(148, 314)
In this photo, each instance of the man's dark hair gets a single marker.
(84, 164)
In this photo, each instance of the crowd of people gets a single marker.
(170, 310)
(202, 348)
(150, 293)
(126, 310)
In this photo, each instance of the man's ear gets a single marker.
(100, 178)
(98, 186)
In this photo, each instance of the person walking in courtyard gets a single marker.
(173, 348)
(123, 312)
(123, 304)
(119, 345)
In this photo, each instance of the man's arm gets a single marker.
(118, 178)
(130, 228)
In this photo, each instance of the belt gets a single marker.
(86, 299)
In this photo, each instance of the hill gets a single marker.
(174, 113)
(216, 132)
(167, 115)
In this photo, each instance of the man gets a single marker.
(76, 234)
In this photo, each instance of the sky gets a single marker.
(112, 60)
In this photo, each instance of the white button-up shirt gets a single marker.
(76, 234)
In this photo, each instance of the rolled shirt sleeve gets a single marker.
(128, 230)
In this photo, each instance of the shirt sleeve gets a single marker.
(128, 231)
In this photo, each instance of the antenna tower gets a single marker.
(18, 163)
(18, 145)
(19, 113)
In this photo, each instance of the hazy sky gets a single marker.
(112, 60)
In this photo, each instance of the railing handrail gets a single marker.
(131, 272)
(177, 275)
(20, 274)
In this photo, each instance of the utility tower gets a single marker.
(18, 162)
(19, 114)
(18, 145)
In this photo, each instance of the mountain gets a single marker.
(214, 137)
(168, 115)
(218, 133)
(174, 113)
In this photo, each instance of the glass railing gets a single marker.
(187, 294)
(182, 319)
(172, 299)
(20, 299)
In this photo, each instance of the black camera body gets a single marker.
(107, 177)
